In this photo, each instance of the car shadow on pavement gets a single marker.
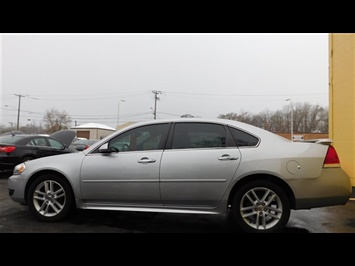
(140, 222)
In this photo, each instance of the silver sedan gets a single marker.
(187, 166)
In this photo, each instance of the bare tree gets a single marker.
(306, 118)
(323, 124)
(186, 116)
(241, 117)
(230, 116)
(278, 122)
(55, 120)
(266, 121)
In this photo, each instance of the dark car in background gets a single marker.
(82, 144)
(17, 147)
(12, 133)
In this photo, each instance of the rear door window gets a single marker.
(198, 135)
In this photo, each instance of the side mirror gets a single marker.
(104, 149)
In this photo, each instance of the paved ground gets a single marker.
(15, 218)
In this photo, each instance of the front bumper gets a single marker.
(16, 185)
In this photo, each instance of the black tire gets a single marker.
(49, 206)
(253, 214)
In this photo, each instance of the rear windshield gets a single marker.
(9, 139)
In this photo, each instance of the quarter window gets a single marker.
(243, 139)
(198, 135)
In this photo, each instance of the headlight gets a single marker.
(19, 169)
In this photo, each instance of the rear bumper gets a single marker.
(332, 187)
(7, 167)
(353, 193)
(320, 202)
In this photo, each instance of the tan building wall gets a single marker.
(342, 98)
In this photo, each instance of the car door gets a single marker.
(56, 147)
(41, 147)
(127, 172)
(199, 165)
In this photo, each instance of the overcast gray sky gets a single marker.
(205, 75)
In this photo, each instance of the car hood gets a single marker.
(64, 136)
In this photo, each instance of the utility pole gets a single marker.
(18, 110)
(19, 107)
(156, 98)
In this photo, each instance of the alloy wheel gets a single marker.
(49, 198)
(261, 208)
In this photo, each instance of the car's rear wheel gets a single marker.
(50, 198)
(260, 206)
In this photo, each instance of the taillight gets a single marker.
(331, 159)
(7, 149)
(86, 146)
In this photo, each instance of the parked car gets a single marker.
(18, 147)
(191, 166)
(82, 144)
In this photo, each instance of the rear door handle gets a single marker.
(227, 157)
(146, 160)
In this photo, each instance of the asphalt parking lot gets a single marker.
(15, 218)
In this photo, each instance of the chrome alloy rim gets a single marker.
(261, 208)
(49, 198)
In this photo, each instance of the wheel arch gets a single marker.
(52, 172)
(268, 177)
(27, 155)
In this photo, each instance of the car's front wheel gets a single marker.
(50, 198)
(261, 206)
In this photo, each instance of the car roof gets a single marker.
(244, 126)
(13, 139)
(63, 136)
(265, 135)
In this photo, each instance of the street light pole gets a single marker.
(291, 118)
(118, 111)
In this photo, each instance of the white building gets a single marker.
(93, 131)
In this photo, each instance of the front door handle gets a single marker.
(146, 160)
(227, 157)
